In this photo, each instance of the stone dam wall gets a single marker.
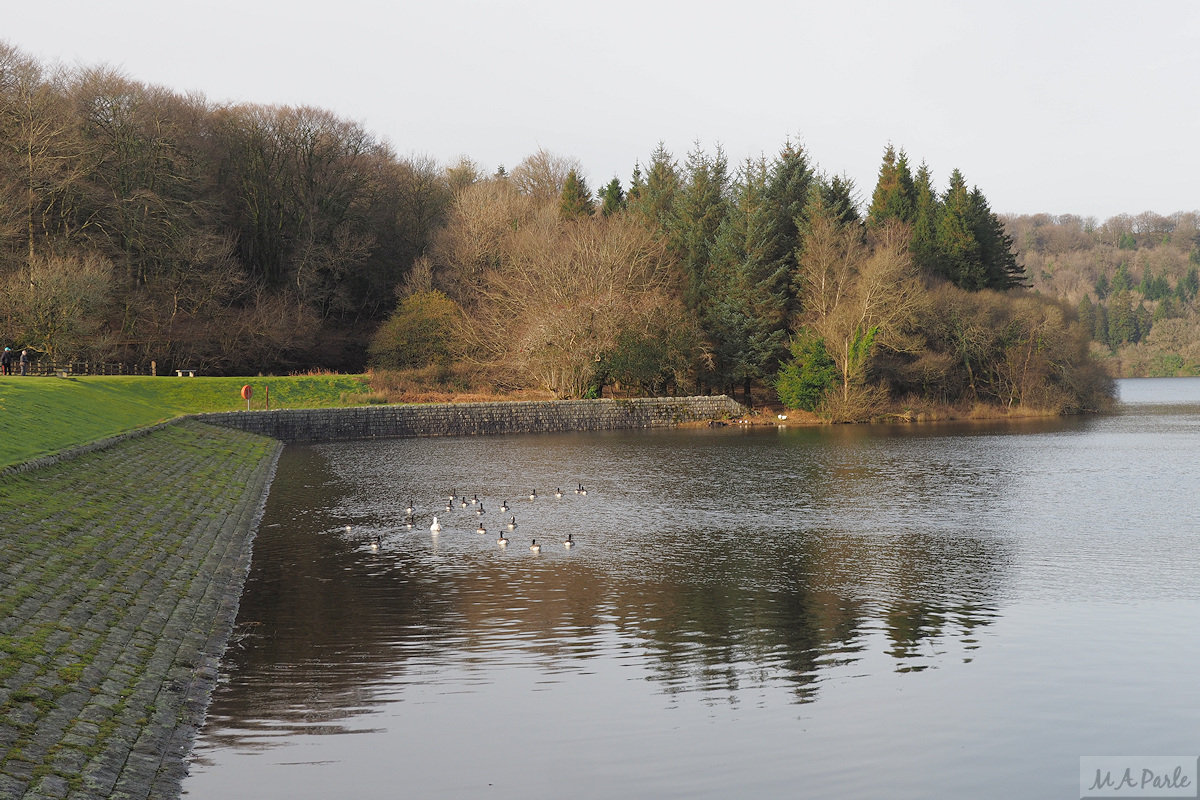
(470, 419)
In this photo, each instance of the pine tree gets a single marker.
(958, 253)
(926, 211)
(1000, 267)
(747, 320)
(653, 199)
(576, 199)
(788, 189)
(699, 207)
(894, 191)
(612, 198)
(837, 193)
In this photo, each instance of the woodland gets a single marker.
(140, 224)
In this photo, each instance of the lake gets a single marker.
(952, 610)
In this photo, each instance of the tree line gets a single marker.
(1133, 280)
(702, 278)
(139, 223)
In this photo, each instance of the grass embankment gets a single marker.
(45, 415)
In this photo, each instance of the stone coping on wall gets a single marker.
(469, 419)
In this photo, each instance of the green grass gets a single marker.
(40, 416)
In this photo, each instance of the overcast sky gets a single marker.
(1083, 107)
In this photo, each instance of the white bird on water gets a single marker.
(436, 526)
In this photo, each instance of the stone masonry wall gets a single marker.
(466, 419)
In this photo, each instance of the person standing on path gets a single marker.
(25, 361)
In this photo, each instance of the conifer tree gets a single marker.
(926, 211)
(653, 199)
(789, 186)
(612, 198)
(749, 280)
(575, 201)
(958, 252)
(838, 196)
(699, 208)
(893, 198)
(1000, 267)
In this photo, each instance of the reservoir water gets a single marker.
(843, 611)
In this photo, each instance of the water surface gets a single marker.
(851, 611)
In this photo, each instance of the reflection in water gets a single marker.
(728, 568)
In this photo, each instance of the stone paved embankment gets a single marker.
(120, 575)
(473, 419)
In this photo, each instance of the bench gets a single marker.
(191, 373)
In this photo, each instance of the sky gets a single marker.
(1085, 108)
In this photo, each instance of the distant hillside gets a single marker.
(1133, 280)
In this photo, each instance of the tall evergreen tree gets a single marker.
(749, 280)
(699, 208)
(612, 198)
(926, 211)
(653, 199)
(1000, 267)
(575, 201)
(788, 188)
(958, 252)
(837, 193)
(893, 198)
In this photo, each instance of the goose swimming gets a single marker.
(410, 510)
(512, 524)
(481, 529)
(570, 542)
(535, 547)
(503, 506)
(375, 545)
(558, 492)
(436, 526)
(533, 494)
(502, 541)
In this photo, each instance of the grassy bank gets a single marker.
(44, 415)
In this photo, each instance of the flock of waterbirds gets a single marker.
(475, 503)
